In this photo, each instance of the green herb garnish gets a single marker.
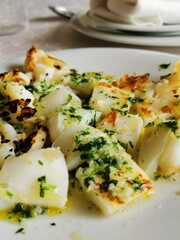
(44, 186)
(40, 162)
(164, 66)
(20, 230)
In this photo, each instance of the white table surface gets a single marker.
(50, 32)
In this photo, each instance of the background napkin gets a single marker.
(139, 12)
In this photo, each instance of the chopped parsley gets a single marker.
(53, 224)
(9, 194)
(125, 146)
(71, 112)
(40, 162)
(131, 144)
(69, 98)
(122, 112)
(96, 143)
(173, 125)
(78, 78)
(150, 124)
(108, 159)
(164, 66)
(109, 132)
(22, 211)
(89, 77)
(135, 99)
(93, 120)
(41, 89)
(20, 230)
(44, 186)
(137, 183)
(87, 181)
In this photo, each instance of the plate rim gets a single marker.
(134, 28)
(134, 49)
(4, 64)
(126, 38)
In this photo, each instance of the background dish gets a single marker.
(155, 218)
(137, 38)
(131, 27)
(89, 20)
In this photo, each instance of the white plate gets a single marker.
(132, 27)
(79, 24)
(155, 218)
(90, 20)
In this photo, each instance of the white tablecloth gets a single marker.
(50, 32)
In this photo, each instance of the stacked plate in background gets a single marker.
(95, 26)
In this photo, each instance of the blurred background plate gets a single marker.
(79, 23)
(132, 27)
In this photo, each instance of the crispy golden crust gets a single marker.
(13, 76)
(132, 82)
(35, 56)
(111, 118)
(30, 59)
